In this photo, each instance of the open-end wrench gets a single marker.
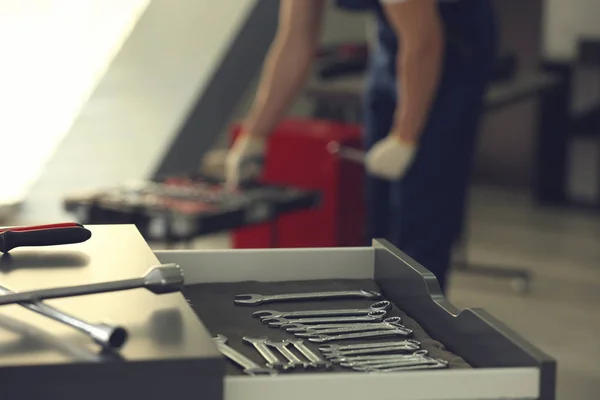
(166, 278)
(260, 344)
(256, 299)
(107, 336)
(377, 326)
(315, 360)
(380, 305)
(249, 366)
(396, 364)
(362, 335)
(373, 316)
(294, 327)
(282, 347)
(344, 347)
(350, 359)
(438, 365)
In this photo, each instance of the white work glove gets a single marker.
(389, 158)
(245, 160)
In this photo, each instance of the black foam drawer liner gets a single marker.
(213, 303)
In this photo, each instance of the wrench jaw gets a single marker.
(267, 314)
(250, 299)
(167, 278)
(108, 336)
(274, 322)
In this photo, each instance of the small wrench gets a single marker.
(337, 347)
(380, 305)
(371, 317)
(416, 354)
(282, 346)
(439, 365)
(293, 328)
(396, 364)
(376, 350)
(256, 299)
(260, 344)
(362, 335)
(381, 326)
(249, 366)
(315, 360)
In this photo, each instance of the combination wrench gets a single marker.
(376, 350)
(257, 299)
(315, 360)
(440, 364)
(249, 366)
(260, 344)
(381, 326)
(107, 336)
(373, 316)
(395, 364)
(295, 327)
(282, 347)
(343, 347)
(369, 357)
(363, 335)
(378, 306)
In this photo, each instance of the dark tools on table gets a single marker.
(163, 279)
(42, 235)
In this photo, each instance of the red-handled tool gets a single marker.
(42, 235)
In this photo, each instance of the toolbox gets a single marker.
(171, 353)
(180, 208)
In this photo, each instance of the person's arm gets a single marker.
(419, 64)
(287, 64)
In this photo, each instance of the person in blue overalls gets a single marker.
(426, 84)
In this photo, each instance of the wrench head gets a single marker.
(275, 322)
(109, 336)
(167, 278)
(267, 313)
(252, 340)
(329, 347)
(393, 320)
(370, 294)
(220, 339)
(318, 338)
(292, 328)
(377, 315)
(260, 371)
(250, 299)
(382, 305)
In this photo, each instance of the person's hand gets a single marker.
(245, 160)
(390, 157)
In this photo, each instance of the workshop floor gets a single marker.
(561, 315)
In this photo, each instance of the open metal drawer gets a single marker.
(505, 366)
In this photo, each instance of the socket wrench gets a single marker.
(163, 279)
(107, 336)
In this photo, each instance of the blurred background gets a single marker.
(97, 93)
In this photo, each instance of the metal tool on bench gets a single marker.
(376, 326)
(295, 327)
(439, 364)
(315, 360)
(373, 316)
(272, 361)
(282, 347)
(249, 366)
(375, 359)
(107, 336)
(425, 361)
(163, 279)
(362, 335)
(378, 306)
(374, 350)
(328, 348)
(257, 299)
(42, 235)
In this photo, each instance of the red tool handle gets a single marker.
(42, 227)
(49, 236)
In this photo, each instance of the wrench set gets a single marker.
(324, 326)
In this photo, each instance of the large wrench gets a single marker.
(294, 327)
(249, 366)
(326, 338)
(373, 316)
(438, 365)
(380, 305)
(375, 350)
(108, 336)
(359, 359)
(260, 344)
(256, 299)
(395, 364)
(377, 326)
(337, 347)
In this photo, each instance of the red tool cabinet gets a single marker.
(299, 154)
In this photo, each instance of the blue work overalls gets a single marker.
(423, 213)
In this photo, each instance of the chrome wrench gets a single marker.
(378, 306)
(439, 365)
(376, 350)
(315, 360)
(351, 329)
(374, 334)
(338, 347)
(249, 366)
(256, 299)
(373, 316)
(295, 327)
(396, 364)
(282, 347)
(272, 361)
(416, 354)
